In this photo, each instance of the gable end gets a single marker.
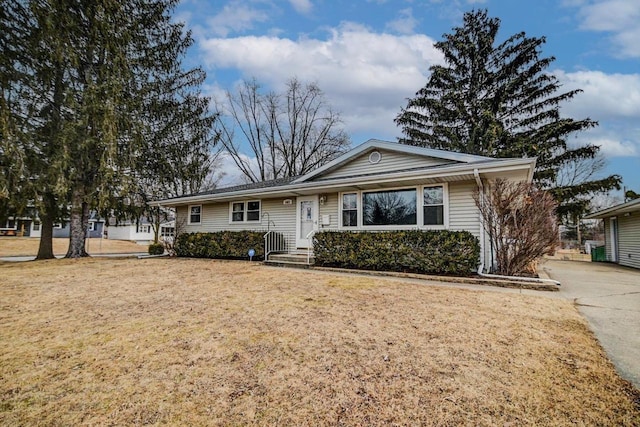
(381, 161)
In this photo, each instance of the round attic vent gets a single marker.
(375, 157)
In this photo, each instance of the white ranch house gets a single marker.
(140, 232)
(357, 191)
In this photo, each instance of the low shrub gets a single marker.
(221, 244)
(156, 249)
(414, 251)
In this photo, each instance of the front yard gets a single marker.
(28, 246)
(201, 342)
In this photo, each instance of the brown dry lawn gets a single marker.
(28, 246)
(201, 342)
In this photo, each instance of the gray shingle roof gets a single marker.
(251, 186)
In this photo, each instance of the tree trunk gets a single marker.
(78, 221)
(156, 229)
(45, 249)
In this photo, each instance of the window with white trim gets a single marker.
(10, 224)
(57, 225)
(245, 211)
(389, 207)
(144, 228)
(423, 206)
(195, 214)
(237, 212)
(253, 211)
(36, 225)
(92, 226)
(433, 205)
(350, 210)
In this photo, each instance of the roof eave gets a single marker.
(391, 146)
(290, 189)
(623, 208)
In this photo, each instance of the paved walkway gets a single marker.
(608, 296)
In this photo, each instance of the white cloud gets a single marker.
(230, 173)
(302, 6)
(611, 99)
(365, 75)
(619, 17)
(605, 96)
(616, 148)
(235, 17)
(405, 23)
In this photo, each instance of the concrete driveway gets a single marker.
(608, 296)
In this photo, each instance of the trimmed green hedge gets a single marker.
(414, 251)
(221, 244)
(156, 249)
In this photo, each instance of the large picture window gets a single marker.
(392, 207)
(195, 214)
(350, 210)
(433, 205)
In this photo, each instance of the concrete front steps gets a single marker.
(298, 260)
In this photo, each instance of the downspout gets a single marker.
(476, 174)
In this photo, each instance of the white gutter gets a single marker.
(482, 237)
(482, 231)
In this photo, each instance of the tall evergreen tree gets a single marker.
(89, 74)
(34, 88)
(499, 100)
(178, 156)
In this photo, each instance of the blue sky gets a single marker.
(369, 56)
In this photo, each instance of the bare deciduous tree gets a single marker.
(521, 222)
(289, 134)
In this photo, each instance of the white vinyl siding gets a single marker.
(463, 212)
(122, 232)
(629, 240)
(215, 217)
(607, 238)
(330, 207)
(389, 162)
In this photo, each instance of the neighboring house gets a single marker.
(622, 232)
(140, 232)
(94, 228)
(20, 227)
(32, 227)
(376, 186)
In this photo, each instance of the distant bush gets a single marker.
(156, 249)
(427, 252)
(221, 244)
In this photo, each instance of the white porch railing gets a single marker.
(274, 242)
(285, 243)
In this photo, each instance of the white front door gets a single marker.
(307, 219)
